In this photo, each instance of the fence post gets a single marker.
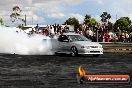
(96, 35)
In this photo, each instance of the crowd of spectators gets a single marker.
(50, 30)
(102, 33)
(99, 33)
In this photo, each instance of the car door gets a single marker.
(63, 43)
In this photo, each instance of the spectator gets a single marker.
(90, 34)
(122, 38)
(100, 37)
(51, 29)
(126, 37)
(55, 27)
(107, 36)
(37, 28)
(130, 37)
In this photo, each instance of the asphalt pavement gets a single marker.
(59, 71)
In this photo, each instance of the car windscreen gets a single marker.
(78, 38)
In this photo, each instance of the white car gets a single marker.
(75, 44)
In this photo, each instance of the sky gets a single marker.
(45, 12)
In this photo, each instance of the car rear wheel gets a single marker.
(74, 51)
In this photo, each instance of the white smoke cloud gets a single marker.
(20, 43)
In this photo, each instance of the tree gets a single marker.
(15, 16)
(123, 23)
(105, 17)
(1, 21)
(110, 26)
(91, 22)
(73, 21)
(130, 28)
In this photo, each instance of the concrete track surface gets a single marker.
(59, 71)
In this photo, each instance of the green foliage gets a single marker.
(105, 17)
(16, 9)
(73, 21)
(110, 26)
(15, 16)
(91, 22)
(87, 18)
(123, 23)
(130, 28)
(1, 21)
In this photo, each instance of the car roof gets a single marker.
(70, 34)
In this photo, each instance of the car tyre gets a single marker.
(74, 51)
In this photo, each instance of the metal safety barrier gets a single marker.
(117, 47)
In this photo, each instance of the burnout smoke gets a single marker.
(20, 43)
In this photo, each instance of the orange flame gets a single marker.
(81, 71)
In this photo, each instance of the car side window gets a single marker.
(62, 38)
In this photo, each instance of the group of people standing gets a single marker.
(98, 33)
(102, 33)
(49, 30)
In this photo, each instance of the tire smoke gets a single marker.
(20, 43)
